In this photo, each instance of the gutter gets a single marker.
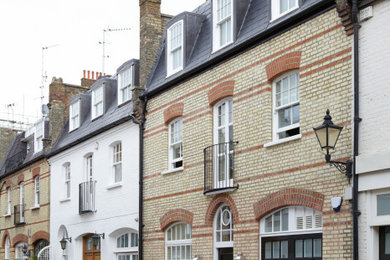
(286, 25)
(141, 182)
(356, 119)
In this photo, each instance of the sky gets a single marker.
(71, 30)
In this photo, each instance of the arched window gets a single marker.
(291, 233)
(178, 242)
(6, 250)
(127, 246)
(19, 251)
(223, 233)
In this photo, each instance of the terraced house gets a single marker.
(232, 167)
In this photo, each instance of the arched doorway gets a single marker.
(90, 251)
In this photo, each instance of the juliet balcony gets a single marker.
(19, 214)
(87, 195)
(219, 168)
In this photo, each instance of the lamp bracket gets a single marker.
(343, 167)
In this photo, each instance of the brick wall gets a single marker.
(36, 219)
(325, 82)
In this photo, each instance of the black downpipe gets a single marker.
(141, 183)
(357, 120)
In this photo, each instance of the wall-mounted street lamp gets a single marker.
(96, 238)
(25, 250)
(327, 135)
(64, 241)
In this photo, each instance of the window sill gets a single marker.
(173, 72)
(217, 49)
(283, 14)
(64, 200)
(35, 207)
(284, 140)
(173, 170)
(7, 215)
(114, 185)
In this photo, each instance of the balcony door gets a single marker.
(21, 201)
(223, 143)
(90, 251)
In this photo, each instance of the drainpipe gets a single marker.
(357, 120)
(141, 182)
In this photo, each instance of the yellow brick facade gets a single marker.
(37, 224)
(325, 82)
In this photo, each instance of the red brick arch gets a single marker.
(216, 203)
(5, 235)
(288, 197)
(36, 171)
(19, 238)
(176, 215)
(225, 89)
(8, 184)
(282, 64)
(20, 178)
(173, 111)
(40, 235)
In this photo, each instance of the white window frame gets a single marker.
(276, 12)
(178, 242)
(36, 191)
(38, 136)
(18, 251)
(67, 180)
(7, 249)
(125, 83)
(228, 122)
(89, 168)
(96, 103)
(170, 69)
(9, 201)
(74, 115)
(128, 250)
(293, 213)
(217, 26)
(222, 244)
(115, 162)
(276, 130)
(171, 144)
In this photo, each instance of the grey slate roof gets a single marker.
(113, 115)
(256, 26)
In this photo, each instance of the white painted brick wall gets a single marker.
(375, 80)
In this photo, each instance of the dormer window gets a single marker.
(223, 23)
(175, 48)
(74, 119)
(97, 102)
(125, 82)
(282, 7)
(38, 136)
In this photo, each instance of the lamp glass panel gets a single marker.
(333, 136)
(321, 136)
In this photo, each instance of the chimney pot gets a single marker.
(88, 75)
(93, 74)
(84, 74)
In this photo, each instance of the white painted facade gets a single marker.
(116, 208)
(373, 162)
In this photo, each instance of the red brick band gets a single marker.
(288, 197)
(216, 203)
(282, 64)
(173, 112)
(176, 215)
(225, 89)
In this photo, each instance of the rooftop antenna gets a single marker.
(103, 43)
(43, 72)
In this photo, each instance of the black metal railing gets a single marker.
(219, 168)
(87, 197)
(19, 214)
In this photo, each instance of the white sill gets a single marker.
(114, 185)
(7, 215)
(172, 72)
(283, 14)
(173, 170)
(35, 207)
(65, 200)
(221, 47)
(284, 140)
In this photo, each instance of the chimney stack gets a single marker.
(151, 29)
(91, 78)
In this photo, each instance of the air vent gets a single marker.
(309, 222)
(318, 221)
(299, 222)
